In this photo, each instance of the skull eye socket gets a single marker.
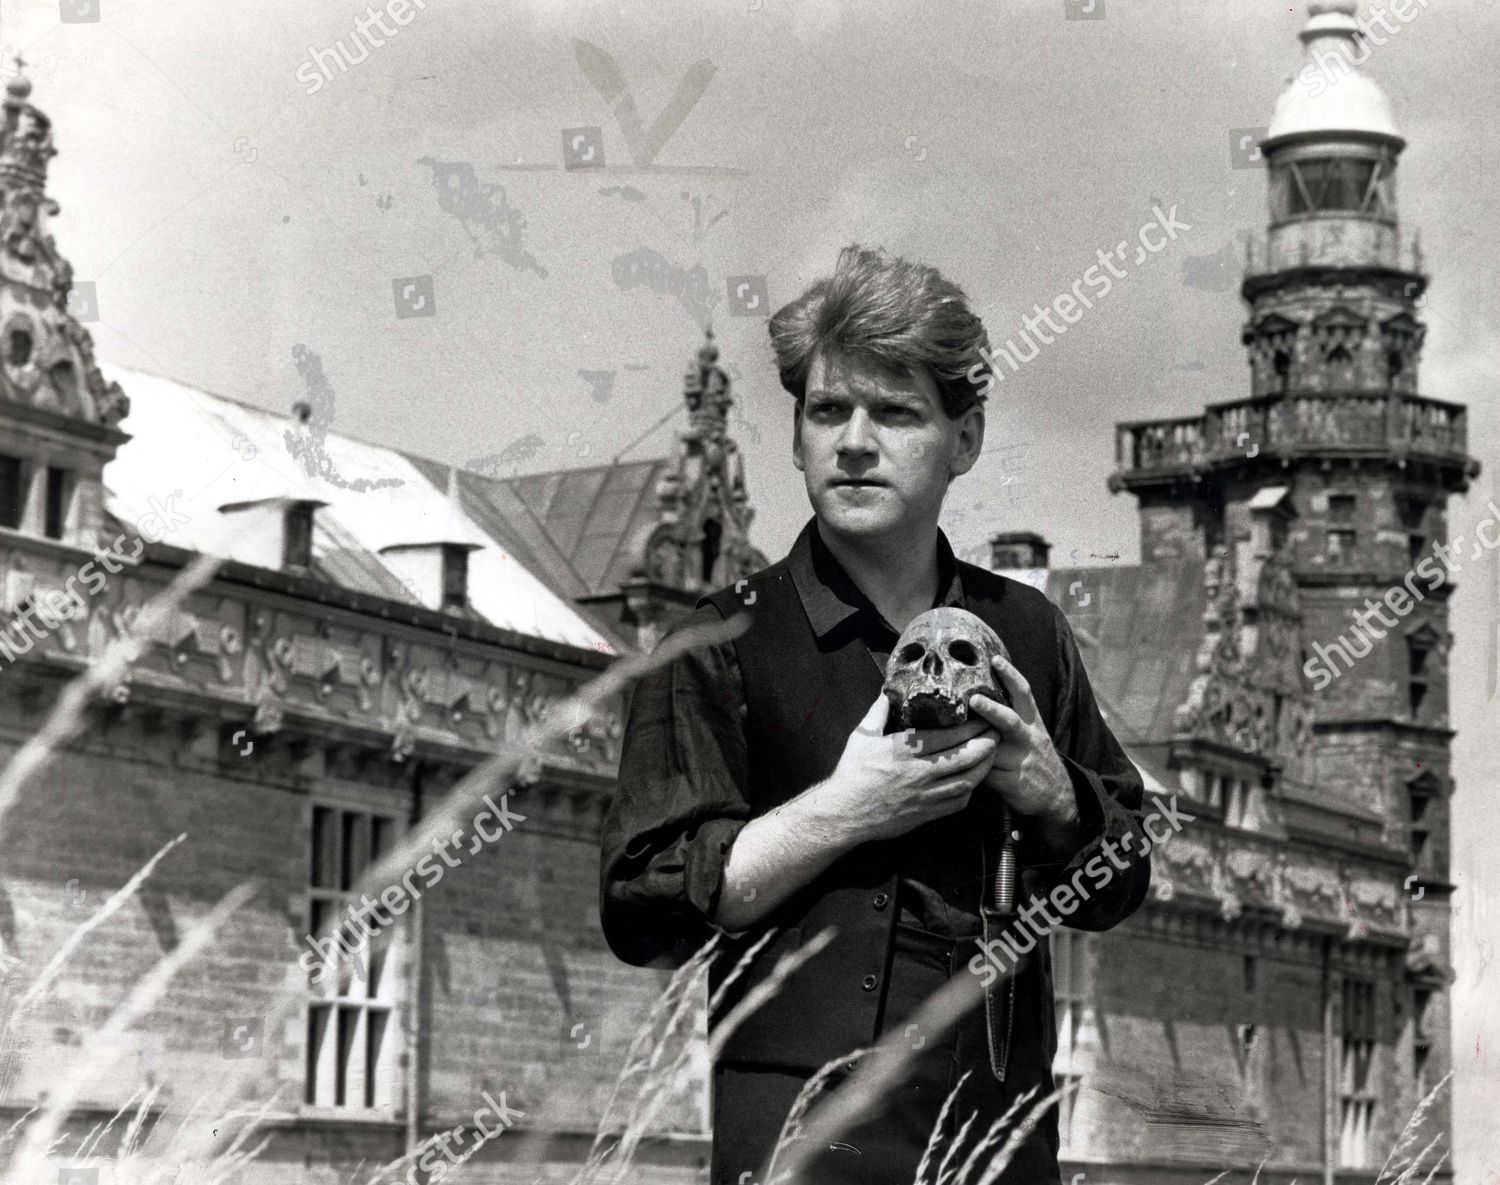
(912, 651)
(963, 652)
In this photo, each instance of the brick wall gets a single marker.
(513, 957)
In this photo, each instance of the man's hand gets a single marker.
(1026, 770)
(884, 786)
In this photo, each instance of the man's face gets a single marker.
(876, 448)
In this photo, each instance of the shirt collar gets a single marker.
(830, 597)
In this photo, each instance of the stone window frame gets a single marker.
(354, 1019)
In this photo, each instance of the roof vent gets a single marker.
(273, 532)
(436, 574)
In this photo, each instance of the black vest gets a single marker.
(802, 702)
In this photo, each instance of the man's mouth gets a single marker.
(858, 483)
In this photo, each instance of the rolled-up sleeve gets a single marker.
(1108, 788)
(681, 801)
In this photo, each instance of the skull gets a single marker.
(941, 659)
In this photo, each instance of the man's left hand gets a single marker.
(1027, 772)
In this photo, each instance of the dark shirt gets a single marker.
(940, 889)
(683, 793)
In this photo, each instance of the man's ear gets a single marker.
(797, 435)
(970, 440)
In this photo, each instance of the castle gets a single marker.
(380, 622)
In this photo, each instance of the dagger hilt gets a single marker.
(1005, 874)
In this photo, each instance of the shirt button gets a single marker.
(868, 983)
(880, 900)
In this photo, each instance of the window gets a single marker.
(1418, 797)
(1395, 366)
(1421, 1044)
(352, 1040)
(1416, 673)
(1341, 534)
(1071, 990)
(1237, 802)
(56, 517)
(12, 492)
(1415, 546)
(1281, 366)
(1356, 1090)
(1342, 184)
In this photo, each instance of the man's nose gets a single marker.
(858, 437)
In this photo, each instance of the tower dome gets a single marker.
(1330, 96)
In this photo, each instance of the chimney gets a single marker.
(273, 532)
(1010, 550)
(436, 573)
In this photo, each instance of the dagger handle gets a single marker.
(1005, 874)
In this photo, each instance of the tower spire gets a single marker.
(48, 357)
(702, 541)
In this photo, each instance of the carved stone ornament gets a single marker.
(46, 355)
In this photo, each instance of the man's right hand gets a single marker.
(885, 786)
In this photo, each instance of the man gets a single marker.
(758, 786)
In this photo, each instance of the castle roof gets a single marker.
(215, 451)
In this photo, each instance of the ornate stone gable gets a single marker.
(702, 538)
(46, 356)
(1248, 689)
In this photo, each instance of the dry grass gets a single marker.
(663, 1062)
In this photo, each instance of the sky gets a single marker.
(414, 223)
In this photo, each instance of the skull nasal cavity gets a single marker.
(963, 652)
